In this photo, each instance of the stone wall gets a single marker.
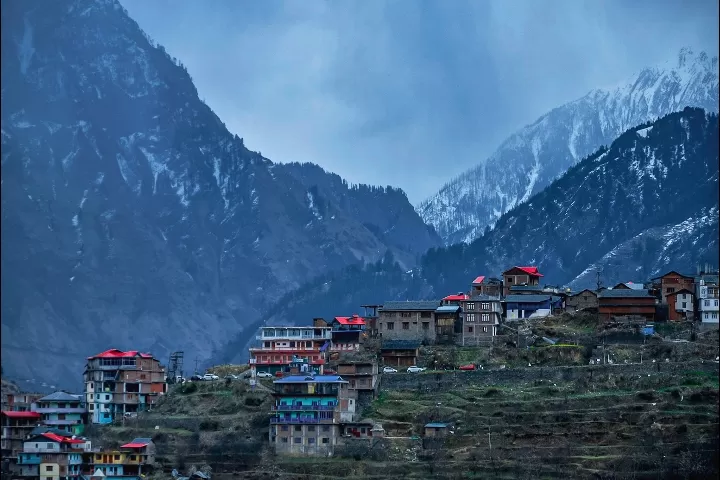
(460, 379)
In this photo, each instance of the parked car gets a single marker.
(470, 366)
(263, 375)
(196, 378)
(389, 370)
(210, 377)
(415, 369)
(247, 374)
(231, 376)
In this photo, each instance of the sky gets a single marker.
(409, 93)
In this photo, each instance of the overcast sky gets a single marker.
(409, 93)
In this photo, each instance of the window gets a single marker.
(485, 317)
(48, 468)
(684, 304)
(426, 325)
(292, 344)
(311, 440)
(485, 306)
(326, 428)
(297, 440)
(509, 279)
(49, 445)
(391, 325)
(92, 407)
(707, 303)
(283, 439)
(117, 457)
(424, 314)
(585, 298)
(470, 329)
(470, 317)
(266, 344)
(405, 314)
(471, 306)
(684, 296)
(107, 397)
(484, 329)
(298, 428)
(669, 290)
(406, 325)
(716, 303)
(714, 315)
(326, 440)
(61, 416)
(311, 428)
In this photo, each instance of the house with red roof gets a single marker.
(130, 462)
(50, 455)
(525, 276)
(279, 348)
(489, 286)
(121, 382)
(347, 333)
(16, 426)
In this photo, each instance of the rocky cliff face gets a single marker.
(643, 206)
(132, 218)
(532, 158)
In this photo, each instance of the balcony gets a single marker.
(28, 459)
(276, 420)
(305, 408)
(63, 422)
(60, 410)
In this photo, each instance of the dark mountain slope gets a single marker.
(650, 198)
(132, 218)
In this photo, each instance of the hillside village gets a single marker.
(327, 378)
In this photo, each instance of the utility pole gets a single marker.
(598, 282)
(196, 365)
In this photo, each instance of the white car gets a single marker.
(415, 369)
(389, 370)
(263, 375)
(210, 376)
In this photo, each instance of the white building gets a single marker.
(708, 301)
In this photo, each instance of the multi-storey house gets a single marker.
(129, 462)
(455, 299)
(21, 402)
(308, 414)
(63, 411)
(280, 346)
(399, 353)
(362, 377)
(16, 427)
(672, 282)
(526, 290)
(51, 456)
(448, 322)
(347, 333)
(480, 319)
(529, 276)
(411, 320)
(371, 316)
(681, 305)
(490, 286)
(583, 300)
(626, 302)
(118, 383)
(708, 299)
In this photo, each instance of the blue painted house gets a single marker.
(63, 411)
(530, 306)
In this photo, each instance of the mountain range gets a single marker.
(530, 159)
(634, 210)
(132, 218)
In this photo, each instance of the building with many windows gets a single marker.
(309, 412)
(119, 383)
(278, 347)
(63, 411)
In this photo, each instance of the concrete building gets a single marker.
(531, 306)
(362, 377)
(49, 456)
(16, 427)
(481, 317)
(308, 414)
(528, 276)
(672, 282)
(117, 383)
(681, 305)
(280, 346)
(63, 411)
(129, 462)
(411, 320)
(708, 299)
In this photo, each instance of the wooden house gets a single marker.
(626, 302)
(520, 276)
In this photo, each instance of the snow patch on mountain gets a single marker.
(533, 157)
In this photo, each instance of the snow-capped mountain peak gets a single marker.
(533, 157)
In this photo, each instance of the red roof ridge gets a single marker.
(57, 438)
(354, 320)
(15, 414)
(134, 445)
(115, 353)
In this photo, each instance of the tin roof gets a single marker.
(311, 379)
(448, 309)
(411, 305)
(622, 293)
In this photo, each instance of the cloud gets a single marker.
(405, 92)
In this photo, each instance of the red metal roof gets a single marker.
(354, 320)
(479, 279)
(134, 445)
(462, 296)
(57, 438)
(115, 353)
(530, 271)
(12, 414)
